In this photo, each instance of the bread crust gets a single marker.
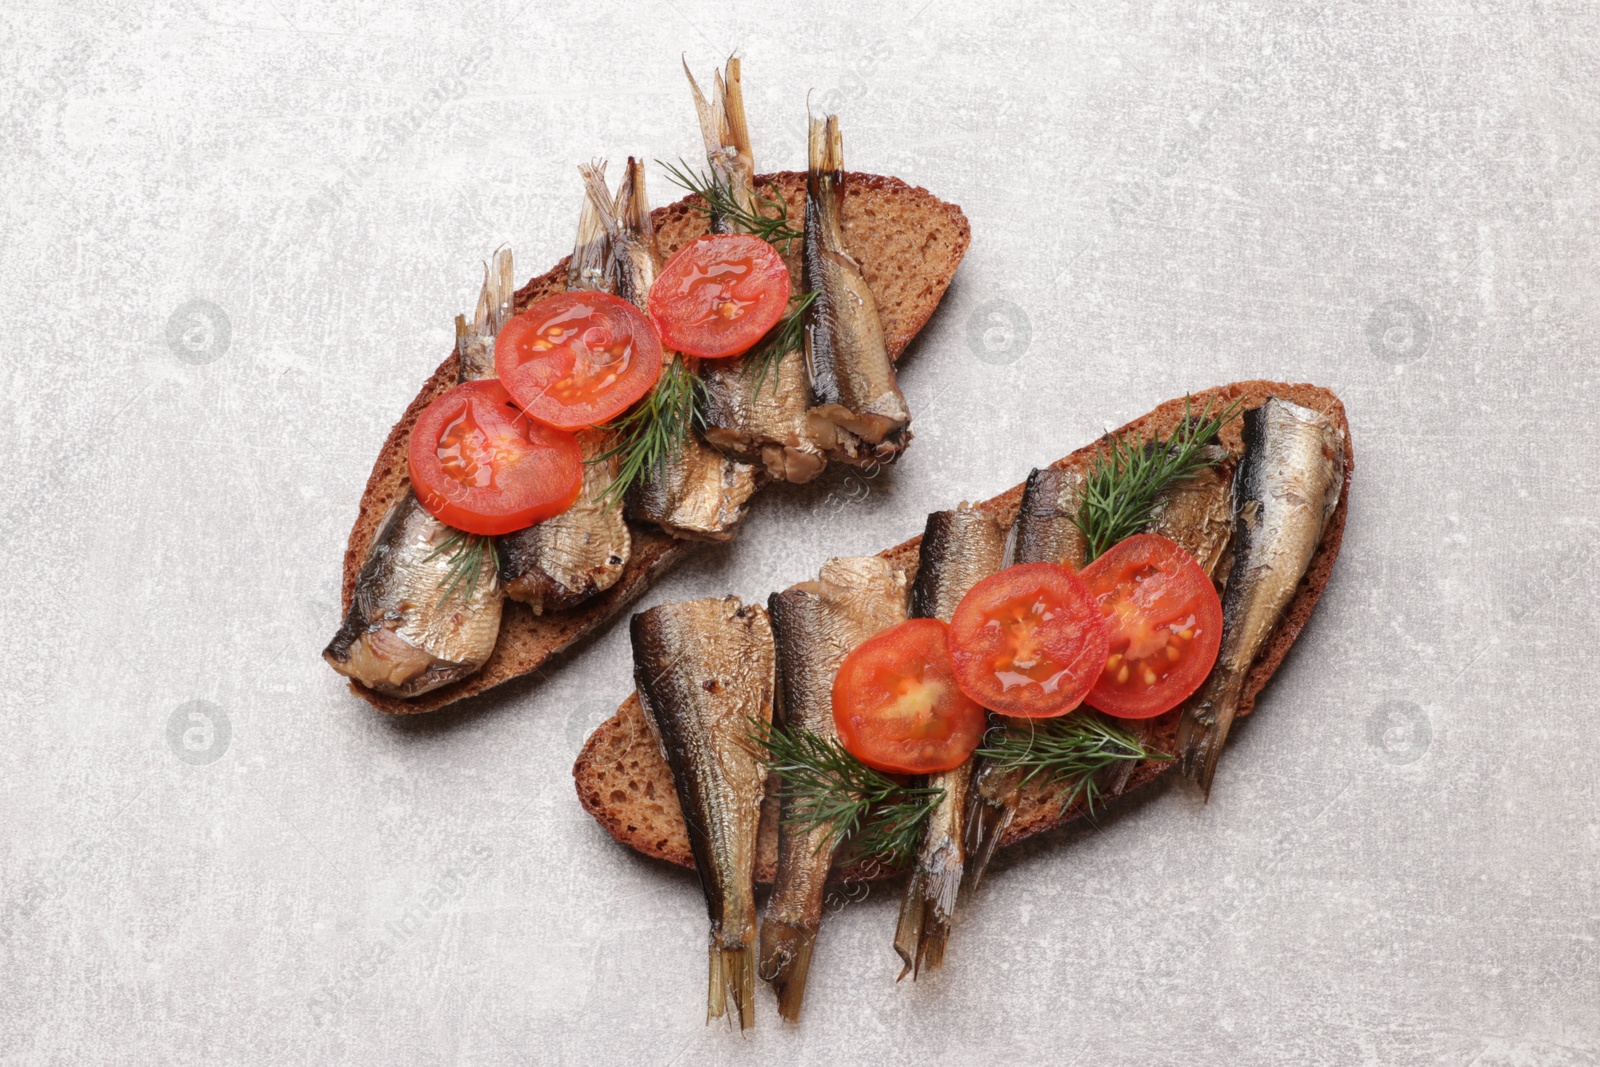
(909, 242)
(623, 781)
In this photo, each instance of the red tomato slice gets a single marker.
(719, 294)
(1165, 622)
(897, 706)
(1028, 641)
(481, 465)
(577, 359)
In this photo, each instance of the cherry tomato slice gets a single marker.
(1028, 641)
(576, 359)
(481, 465)
(897, 707)
(719, 294)
(1165, 622)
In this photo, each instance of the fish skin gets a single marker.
(727, 139)
(750, 416)
(1285, 489)
(763, 420)
(401, 637)
(959, 549)
(815, 626)
(705, 676)
(576, 555)
(627, 222)
(1043, 532)
(858, 414)
(698, 494)
(1196, 513)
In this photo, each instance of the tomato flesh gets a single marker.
(896, 704)
(719, 294)
(576, 359)
(481, 465)
(1028, 641)
(1165, 622)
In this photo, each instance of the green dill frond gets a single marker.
(654, 429)
(1070, 750)
(785, 337)
(1120, 493)
(828, 788)
(768, 221)
(466, 563)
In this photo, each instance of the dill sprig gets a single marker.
(827, 787)
(1120, 493)
(787, 336)
(466, 563)
(717, 199)
(654, 430)
(1071, 750)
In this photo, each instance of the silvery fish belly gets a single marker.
(566, 560)
(959, 549)
(858, 414)
(413, 624)
(426, 607)
(1043, 532)
(815, 624)
(697, 494)
(753, 413)
(1197, 512)
(704, 671)
(1285, 489)
(759, 417)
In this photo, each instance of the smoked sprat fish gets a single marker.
(959, 549)
(1285, 489)
(727, 140)
(426, 607)
(571, 557)
(1043, 532)
(704, 671)
(754, 413)
(1045, 529)
(1195, 512)
(816, 625)
(697, 493)
(858, 414)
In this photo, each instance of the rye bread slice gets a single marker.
(909, 243)
(624, 782)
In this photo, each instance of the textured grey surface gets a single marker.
(1397, 201)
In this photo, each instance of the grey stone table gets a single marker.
(234, 239)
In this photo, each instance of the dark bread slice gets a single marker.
(909, 243)
(624, 782)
